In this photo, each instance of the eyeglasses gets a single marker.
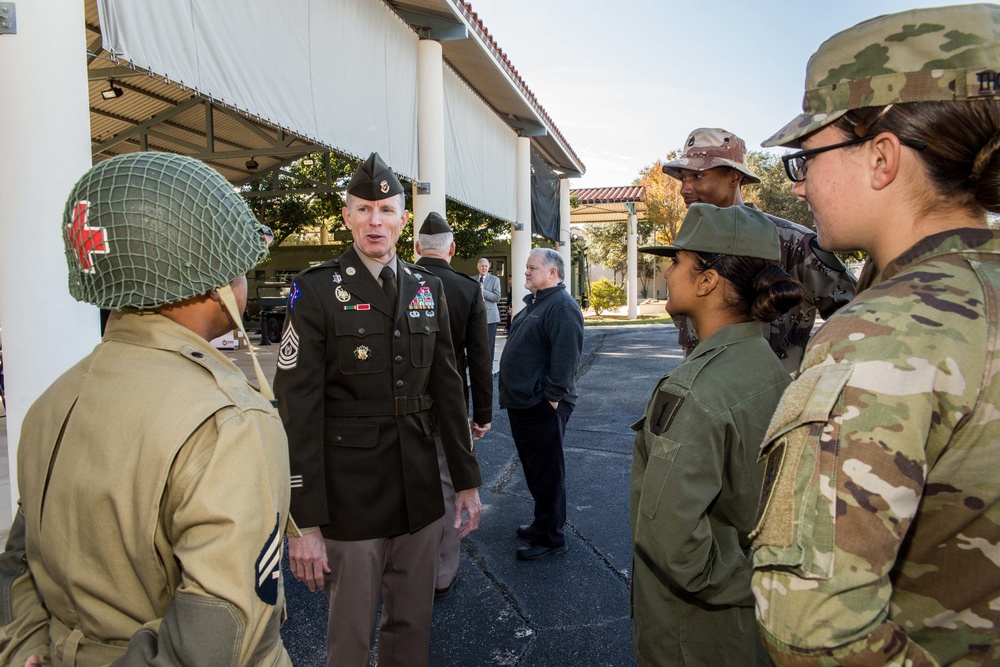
(795, 163)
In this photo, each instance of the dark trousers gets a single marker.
(491, 331)
(538, 435)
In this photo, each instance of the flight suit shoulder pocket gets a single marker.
(340, 433)
(796, 516)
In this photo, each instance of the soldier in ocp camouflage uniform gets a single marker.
(879, 536)
(712, 170)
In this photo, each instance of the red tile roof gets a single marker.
(498, 53)
(618, 195)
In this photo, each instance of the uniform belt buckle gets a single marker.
(400, 406)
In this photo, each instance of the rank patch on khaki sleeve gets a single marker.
(269, 566)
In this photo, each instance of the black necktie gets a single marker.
(388, 277)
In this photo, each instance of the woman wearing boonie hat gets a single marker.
(879, 540)
(695, 471)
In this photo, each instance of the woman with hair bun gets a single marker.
(695, 472)
(879, 536)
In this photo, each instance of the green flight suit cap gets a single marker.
(374, 180)
(734, 230)
(434, 223)
(922, 55)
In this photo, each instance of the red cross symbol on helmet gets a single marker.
(85, 240)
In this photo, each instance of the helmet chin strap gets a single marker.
(229, 300)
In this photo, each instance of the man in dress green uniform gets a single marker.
(153, 476)
(366, 374)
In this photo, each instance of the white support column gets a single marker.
(565, 249)
(45, 118)
(633, 263)
(520, 239)
(430, 132)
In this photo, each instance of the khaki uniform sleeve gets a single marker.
(24, 619)
(224, 513)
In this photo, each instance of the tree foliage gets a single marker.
(774, 192)
(604, 294)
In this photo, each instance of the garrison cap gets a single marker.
(734, 230)
(708, 148)
(434, 223)
(922, 55)
(373, 180)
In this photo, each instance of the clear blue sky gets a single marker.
(626, 80)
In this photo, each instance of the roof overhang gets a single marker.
(602, 205)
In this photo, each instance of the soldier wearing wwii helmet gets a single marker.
(366, 375)
(877, 540)
(153, 476)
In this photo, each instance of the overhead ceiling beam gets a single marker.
(433, 27)
(118, 72)
(526, 128)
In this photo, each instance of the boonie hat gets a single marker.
(922, 55)
(146, 229)
(708, 148)
(734, 230)
(434, 223)
(374, 180)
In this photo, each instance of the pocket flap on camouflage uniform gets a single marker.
(797, 510)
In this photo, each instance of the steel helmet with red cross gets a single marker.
(146, 229)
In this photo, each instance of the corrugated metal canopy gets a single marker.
(156, 114)
(597, 205)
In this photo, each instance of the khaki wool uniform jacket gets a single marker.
(154, 498)
(696, 480)
(360, 391)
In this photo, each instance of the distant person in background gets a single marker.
(538, 389)
(467, 319)
(712, 170)
(268, 235)
(695, 471)
(490, 286)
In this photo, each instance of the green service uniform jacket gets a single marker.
(880, 539)
(696, 481)
(154, 498)
(360, 391)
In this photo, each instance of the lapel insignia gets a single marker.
(337, 278)
(362, 352)
(424, 300)
(351, 271)
(342, 294)
(417, 276)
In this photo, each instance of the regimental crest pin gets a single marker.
(342, 294)
(384, 186)
(362, 352)
(337, 278)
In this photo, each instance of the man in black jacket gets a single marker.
(467, 319)
(537, 387)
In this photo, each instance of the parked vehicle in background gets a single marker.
(272, 299)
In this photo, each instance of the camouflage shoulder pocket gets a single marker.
(797, 511)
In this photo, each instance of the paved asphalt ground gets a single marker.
(568, 610)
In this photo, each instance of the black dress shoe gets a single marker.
(442, 593)
(527, 530)
(537, 551)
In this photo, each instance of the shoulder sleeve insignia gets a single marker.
(294, 295)
(664, 409)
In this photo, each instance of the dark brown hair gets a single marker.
(962, 157)
(758, 288)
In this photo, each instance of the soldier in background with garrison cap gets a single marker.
(366, 374)
(712, 170)
(153, 476)
(880, 528)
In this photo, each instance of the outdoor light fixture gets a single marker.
(252, 164)
(112, 92)
(308, 161)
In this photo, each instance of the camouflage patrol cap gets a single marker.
(708, 148)
(146, 229)
(734, 230)
(374, 180)
(922, 55)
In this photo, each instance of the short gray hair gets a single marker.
(481, 260)
(551, 260)
(436, 242)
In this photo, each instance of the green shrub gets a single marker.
(604, 294)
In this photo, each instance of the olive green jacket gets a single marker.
(695, 485)
(154, 498)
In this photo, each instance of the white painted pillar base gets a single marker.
(633, 266)
(520, 239)
(565, 249)
(430, 133)
(45, 118)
